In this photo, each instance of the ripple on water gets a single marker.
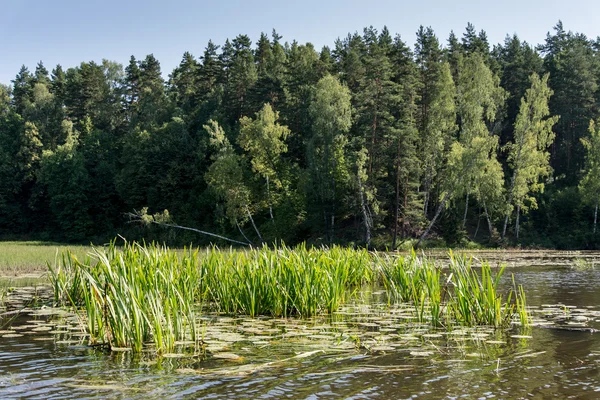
(368, 351)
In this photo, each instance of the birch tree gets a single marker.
(264, 140)
(528, 154)
(330, 111)
(226, 177)
(590, 184)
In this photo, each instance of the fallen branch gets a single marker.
(147, 219)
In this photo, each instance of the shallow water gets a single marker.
(365, 351)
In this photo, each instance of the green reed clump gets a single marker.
(137, 294)
(133, 295)
(65, 278)
(463, 296)
(475, 299)
(413, 279)
(283, 281)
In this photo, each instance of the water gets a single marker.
(365, 352)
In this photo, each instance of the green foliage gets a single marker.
(461, 296)
(67, 182)
(139, 294)
(368, 142)
(473, 163)
(570, 60)
(226, 176)
(330, 111)
(132, 295)
(528, 155)
(264, 140)
(590, 184)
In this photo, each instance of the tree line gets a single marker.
(370, 142)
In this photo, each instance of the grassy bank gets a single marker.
(18, 259)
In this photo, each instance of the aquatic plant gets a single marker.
(467, 297)
(282, 281)
(581, 264)
(132, 295)
(475, 299)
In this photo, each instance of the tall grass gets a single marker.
(416, 280)
(29, 258)
(283, 281)
(464, 295)
(475, 299)
(132, 295)
(135, 294)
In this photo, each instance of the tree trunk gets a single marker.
(138, 218)
(489, 221)
(478, 223)
(517, 222)
(332, 224)
(254, 226)
(425, 202)
(405, 206)
(366, 218)
(510, 199)
(466, 210)
(426, 199)
(397, 211)
(242, 232)
(270, 201)
(512, 190)
(435, 217)
(595, 216)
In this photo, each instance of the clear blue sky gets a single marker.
(71, 31)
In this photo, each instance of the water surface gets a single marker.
(366, 351)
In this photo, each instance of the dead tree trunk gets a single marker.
(254, 226)
(435, 217)
(242, 232)
(136, 217)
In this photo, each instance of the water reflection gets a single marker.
(555, 363)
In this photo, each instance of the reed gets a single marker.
(283, 281)
(137, 294)
(416, 280)
(132, 295)
(467, 298)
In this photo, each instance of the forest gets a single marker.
(369, 143)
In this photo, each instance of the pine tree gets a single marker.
(436, 112)
(183, 86)
(517, 61)
(242, 77)
(404, 142)
(569, 58)
(22, 88)
(41, 74)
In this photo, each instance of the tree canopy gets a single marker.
(369, 142)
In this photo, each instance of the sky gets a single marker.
(68, 32)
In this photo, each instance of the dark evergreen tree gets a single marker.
(22, 88)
